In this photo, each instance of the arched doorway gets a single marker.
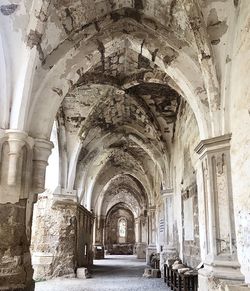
(120, 230)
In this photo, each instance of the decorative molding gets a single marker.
(42, 151)
(16, 141)
(24, 157)
(218, 209)
(213, 144)
(167, 192)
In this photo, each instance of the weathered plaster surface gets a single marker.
(130, 89)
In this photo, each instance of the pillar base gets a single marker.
(140, 250)
(15, 260)
(215, 277)
(42, 264)
(30, 287)
(151, 249)
(168, 253)
(98, 251)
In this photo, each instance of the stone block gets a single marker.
(98, 252)
(152, 273)
(141, 250)
(82, 273)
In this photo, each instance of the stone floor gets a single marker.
(120, 273)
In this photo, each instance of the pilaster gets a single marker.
(151, 233)
(169, 250)
(140, 247)
(221, 263)
(99, 237)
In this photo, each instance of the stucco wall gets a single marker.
(240, 143)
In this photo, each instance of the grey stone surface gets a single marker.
(113, 273)
(82, 273)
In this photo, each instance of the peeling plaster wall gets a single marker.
(240, 144)
(190, 225)
(114, 72)
(183, 163)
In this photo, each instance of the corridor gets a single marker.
(124, 128)
(113, 273)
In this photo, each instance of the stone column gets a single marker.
(99, 231)
(169, 249)
(54, 236)
(137, 230)
(140, 246)
(220, 264)
(98, 247)
(42, 151)
(151, 234)
(16, 203)
(62, 236)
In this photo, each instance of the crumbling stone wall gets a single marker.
(240, 143)
(53, 239)
(61, 238)
(15, 268)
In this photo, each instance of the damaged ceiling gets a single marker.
(118, 71)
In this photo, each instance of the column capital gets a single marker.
(137, 219)
(167, 192)
(152, 208)
(16, 141)
(42, 149)
(213, 144)
(16, 159)
(22, 157)
(41, 153)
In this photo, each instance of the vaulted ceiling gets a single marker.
(114, 74)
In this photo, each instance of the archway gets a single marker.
(120, 230)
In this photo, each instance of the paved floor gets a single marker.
(120, 273)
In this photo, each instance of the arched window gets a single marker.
(122, 227)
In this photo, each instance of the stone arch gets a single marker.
(144, 187)
(180, 73)
(111, 194)
(92, 195)
(90, 169)
(118, 212)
